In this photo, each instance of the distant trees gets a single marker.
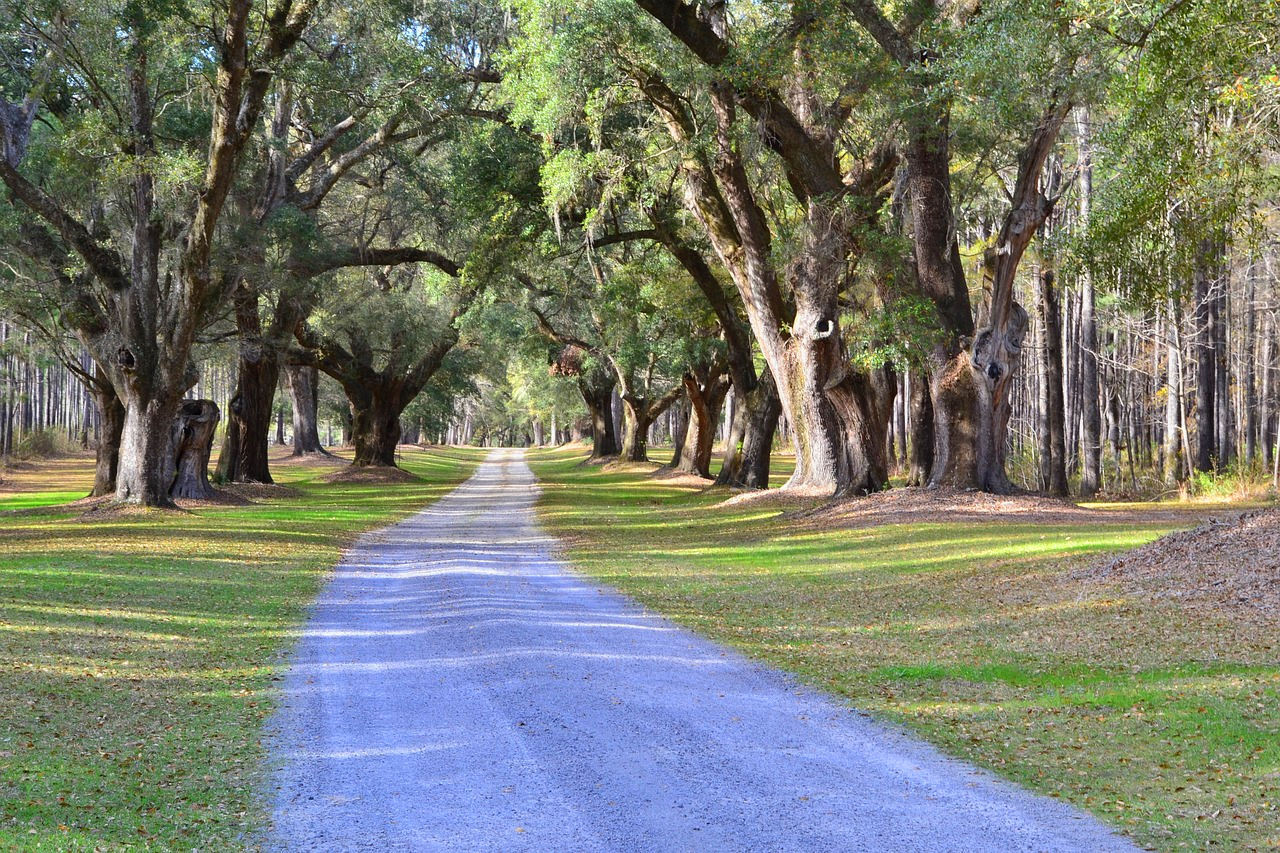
(975, 246)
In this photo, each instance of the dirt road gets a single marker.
(458, 689)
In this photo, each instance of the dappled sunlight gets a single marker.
(982, 634)
(141, 650)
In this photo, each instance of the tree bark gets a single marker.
(681, 416)
(111, 414)
(1206, 337)
(1051, 318)
(244, 450)
(597, 393)
(922, 417)
(639, 413)
(375, 426)
(1250, 368)
(749, 453)
(192, 444)
(1173, 461)
(304, 391)
(1091, 426)
(706, 390)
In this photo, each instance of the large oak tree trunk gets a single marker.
(304, 391)
(750, 447)
(597, 393)
(145, 437)
(706, 395)
(243, 458)
(192, 444)
(375, 426)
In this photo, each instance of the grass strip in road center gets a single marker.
(140, 651)
(986, 638)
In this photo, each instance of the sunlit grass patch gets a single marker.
(985, 637)
(139, 655)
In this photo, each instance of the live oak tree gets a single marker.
(166, 98)
(384, 87)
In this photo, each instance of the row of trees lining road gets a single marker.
(843, 225)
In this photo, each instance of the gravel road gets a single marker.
(457, 689)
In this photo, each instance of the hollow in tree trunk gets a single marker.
(192, 444)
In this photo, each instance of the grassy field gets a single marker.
(985, 638)
(139, 650)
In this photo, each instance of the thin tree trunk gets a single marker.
(1206, 364)
(1056, 481)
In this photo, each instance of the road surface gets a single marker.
(457, 689)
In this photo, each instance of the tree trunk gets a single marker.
(1250, 369)
(243, 458)
(1051, 319)
(597, 393)
(1206, 365)
(192, 443)
(681, 416)
(750, 447)
(635, 430)
(375, 426)
(145, 472)
(1173, 461)
(921, 445)
(111, 418)
(304, 391)
(706, 394)
(1225, 428)
(1090, 393)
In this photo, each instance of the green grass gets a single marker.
(140, 655)
(984, 638)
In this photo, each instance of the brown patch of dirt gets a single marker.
(373, 474)
(667, 474)
(911, 505)
(106, 509)
(310, 459)
(795, 502)
(1222, 565)
(260, 491)
(227, 496)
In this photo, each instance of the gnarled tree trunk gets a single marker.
(192, 444)
(706, 389)
(375, 422)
